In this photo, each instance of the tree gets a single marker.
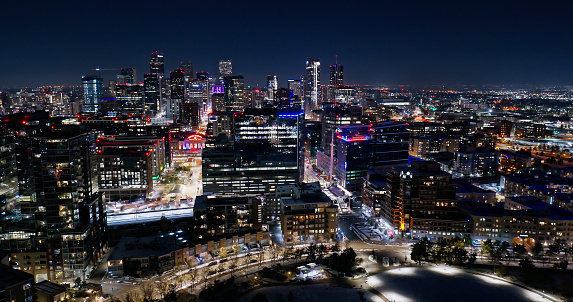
(311, 252)
(526, 264)
(537, 249)
(421, 250)
(520, 250)
(132, 296)
(162, 287)
(147, 290)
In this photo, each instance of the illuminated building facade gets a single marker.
(336, 75)
(225, 68)
(127, 76)
(264, 151)
(93, 90)
(128, 165)
(151, 93)
(423, 201)
(311, 85)
(129, 98)
(234, 93)
(272, 86)
(377, 147)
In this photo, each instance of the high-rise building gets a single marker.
(311, 85)
(177, 94)
(187, 68)
(234, 93)
(202, 75)
(157, 64)
(336, 75)
(151, 93)
(63, 221)
(423, 201)
(177, 81)
(263, 151)
(127, 76)
(93, 90)
(375, 147)
(337, 115)
(9, 206)
(225, 68)
(129, 98)
(272, 86)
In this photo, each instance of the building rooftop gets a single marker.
(142, 247)
(537, 209)
(10, 277)
(50, 288)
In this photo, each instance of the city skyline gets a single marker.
(416, 43)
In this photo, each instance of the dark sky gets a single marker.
(378, 42)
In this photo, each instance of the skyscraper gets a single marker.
(151, 93)
(187, 69)
(127, 76)
(234, 93)
(272, 86)
(156, 64)
(311, 85)
(336, 75)
(225, 68)
(93, 90)
(177, 89)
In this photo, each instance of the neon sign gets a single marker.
(195, 137)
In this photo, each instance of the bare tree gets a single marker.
(193, 274)
(162, 288)
(147, 289)
(132, 296)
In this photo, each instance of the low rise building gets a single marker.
(520, 220)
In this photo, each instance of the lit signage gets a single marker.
(217, 89)
(195, 137)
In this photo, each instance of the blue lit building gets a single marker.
(93, 90)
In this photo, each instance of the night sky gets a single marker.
(378, 42)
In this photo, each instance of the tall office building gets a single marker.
(272, 86)
(176, 95)
(93, 90)
(177, 82)
(375, 147)
(234, 93)
(130, 98)
(263, 151)
(127, 76)
(336, 75)
(151, 93)
(202, 75)
(187, 68)
(423, 200)
(311, 85)
(63, 220)
(157, 64)
(225, 68)
(9, 204)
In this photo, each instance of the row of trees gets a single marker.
(449, 251)
(458, 251)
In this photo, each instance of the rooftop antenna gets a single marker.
(336, 56)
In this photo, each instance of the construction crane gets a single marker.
(100, 69)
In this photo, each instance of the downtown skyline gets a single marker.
(380, 43)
